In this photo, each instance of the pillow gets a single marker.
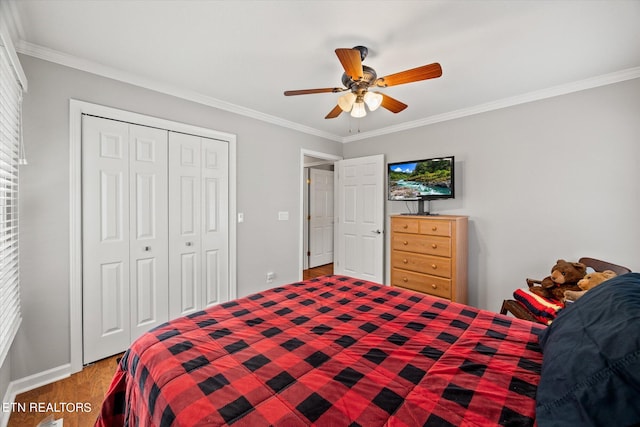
(543, 309)
(591, 359)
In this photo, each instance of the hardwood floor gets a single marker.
(76, 399)
(322, 270)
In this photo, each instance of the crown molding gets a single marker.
(593, 82)
(57, 57)
(92, 67)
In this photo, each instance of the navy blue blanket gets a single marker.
(591, 366)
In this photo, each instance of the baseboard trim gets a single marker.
(29, 383)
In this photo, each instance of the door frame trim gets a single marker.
(325, 156)
(76, 110)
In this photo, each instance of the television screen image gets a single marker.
(422, 179)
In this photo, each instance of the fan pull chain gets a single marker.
(351, 125)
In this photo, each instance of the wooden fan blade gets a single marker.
(425, 72)
(351, 62)
(334, 113)
(392, 104)
(311, 91)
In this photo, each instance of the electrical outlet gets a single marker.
(270, 276)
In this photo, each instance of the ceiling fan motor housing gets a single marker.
(369, 78)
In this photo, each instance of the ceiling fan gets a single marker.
(358, 79)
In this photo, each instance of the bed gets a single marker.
(330, 351)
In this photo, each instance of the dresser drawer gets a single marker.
(436, 266)
(424, 283)
(431, 245)
(435, 228)
(405, 225)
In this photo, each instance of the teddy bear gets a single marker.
(589, 281)
(564, 277)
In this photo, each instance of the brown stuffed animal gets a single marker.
(589, 281)
(564, 277)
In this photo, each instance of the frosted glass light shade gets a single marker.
(345, 102)
(358, 110)
(373, 100)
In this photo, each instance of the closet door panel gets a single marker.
(112, 291)
(185, 219)
(188, 282)
(146, 310)
(212, 277)
(149, 228)
(105, 237)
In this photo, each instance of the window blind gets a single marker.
(10, 129)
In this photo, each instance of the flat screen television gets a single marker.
(421, 180)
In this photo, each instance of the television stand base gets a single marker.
(421, 210)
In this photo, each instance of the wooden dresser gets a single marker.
(429, 255)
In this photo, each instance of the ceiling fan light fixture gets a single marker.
(373, 100)
(346, 101)
(358, 110)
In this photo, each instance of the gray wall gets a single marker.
(268, 181)
(557, 178)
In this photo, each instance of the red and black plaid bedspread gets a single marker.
(333, 351)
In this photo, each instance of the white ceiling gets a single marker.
(242, 55)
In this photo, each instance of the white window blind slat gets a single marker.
(10, 110)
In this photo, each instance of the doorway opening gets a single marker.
(317, 211)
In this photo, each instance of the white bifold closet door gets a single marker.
(198, 220)
(125, 233)
(155, 230)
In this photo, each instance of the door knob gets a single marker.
(147, 248)
(189, 243)
(376, 231)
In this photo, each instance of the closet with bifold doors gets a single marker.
(155, 235)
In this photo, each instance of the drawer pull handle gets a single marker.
(405, 243)
(434, 228)
(433, 245)
(405, 226)
(404, 279)
(434, 286)
(435, 267)
(405, 261)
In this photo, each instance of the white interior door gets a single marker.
(105, 237)
(320, 217)
(215, 221)
(198, 223)
(148, 239)
(360, 218)
(185, 224)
